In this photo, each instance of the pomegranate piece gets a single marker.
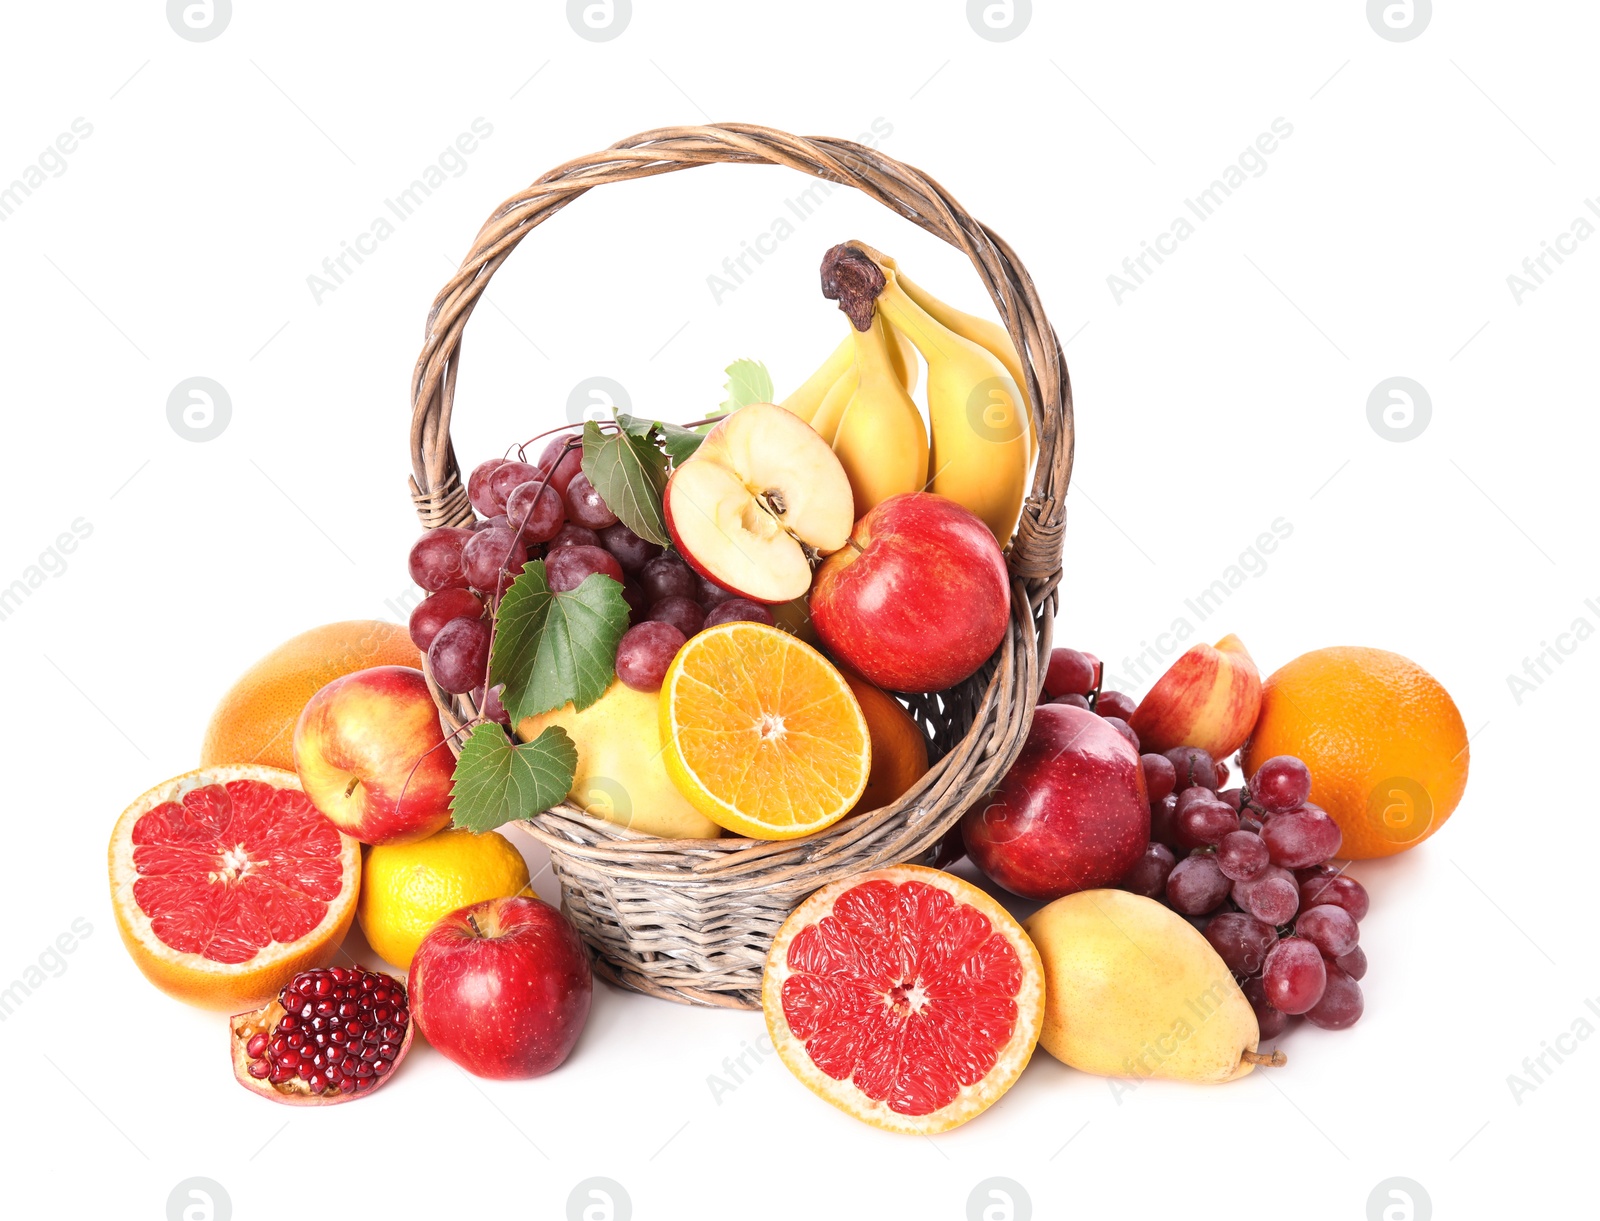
(333, 1034)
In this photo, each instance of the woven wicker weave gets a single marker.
(691, 920)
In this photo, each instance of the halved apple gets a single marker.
(762, 490)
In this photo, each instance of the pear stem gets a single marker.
(1276, 1060)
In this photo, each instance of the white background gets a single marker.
(1228, 391)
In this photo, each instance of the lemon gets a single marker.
(408, 888)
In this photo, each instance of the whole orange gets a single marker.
(1383, 739)
(899, 747)
(254, 722)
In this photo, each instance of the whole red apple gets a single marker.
(1071, 814)
(502, 987)
(371, 756)
(918, 599)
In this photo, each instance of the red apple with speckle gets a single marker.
(502, 988)
(1073, 813)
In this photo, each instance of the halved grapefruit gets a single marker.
(905, 996)
(226, 881)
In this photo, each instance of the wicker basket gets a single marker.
(691, 920)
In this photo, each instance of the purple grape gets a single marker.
(1204, 823)
(493, 559)
(1072, 699)
(683, 613)
(478, 486)
(645, 652)
(1234, 797)
(1194, 767)
(638, 604)
(667, 576)
(1196, 886)
(1241, 856)
(561, 463)
(1329, 928)
(1353, 964)
(1303, 836)
(1272, 1022)
(1115, 703)
(505, 480)
(1069, 673)
(534, 510)
(1164, 823)
(1241, 941)
(1125, 730)
(435, 560)
(736, 610)
(1341, 1004)
(1271, 896)
(1160, 777)
(491, 707)
(566, 569)
(1280, 784)
(1294, 976)
(1149, 874)
(1192, 796)
(574, 536)
(708, 593)
(586, 506)
(1339, 889)
(459, 655)
(632, 552)
(436, 610)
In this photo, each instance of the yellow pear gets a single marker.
(1132, 989)
(621, 776)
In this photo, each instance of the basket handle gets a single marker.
(436, 487)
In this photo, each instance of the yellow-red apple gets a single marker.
(1209, 698)
(371, 756)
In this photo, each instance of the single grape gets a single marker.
(478, 486)
(1272, 1022)
(632, 552)
(1073, 700)
(1306, 872)
(586, 506)
(708, 593)
(436, 610)
(645, 652)
(1294, 975)
(1149, 874)
(493, 559)
(1331, 929)
(1241, 855)
(667, 576)
(561, 463)
(1301, 837)
(565, 570)
(535, 510)
(1069, 673)
(1203, 823)
(1193, 796)
(1164, 823)
(435, 560)
(683, 613)
(1339, 889)
(1353, 964)
(1194, 767)
(1115, 703)
(1280, 784)
(1160, 777)
(738, 610)
(1196, 886)
(491, 707)
(505, 480)
(459, 655)
(1270, 896)
(1241, 941)
(1249, 822)
(1341, 1004)
(1125, 729)
(1234, 797)
(638, 604)
(574, 536)
(1222, 774)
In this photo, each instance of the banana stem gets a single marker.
(850, 277)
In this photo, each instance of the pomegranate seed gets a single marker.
(256, 1046)
(280, 1074)
(381, 1067)
(340, 1030)
(259, 1068)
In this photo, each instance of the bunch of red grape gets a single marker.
(1247, 865)
(551, 512)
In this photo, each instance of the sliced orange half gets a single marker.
(226, 881)
(761, 734)
(905, 996)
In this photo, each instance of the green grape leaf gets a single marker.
(550, 648)
(637, 426)
(748, 382)
(680, 442)
(496, 782)
(630, 474)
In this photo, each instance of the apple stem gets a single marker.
(1275, 1060)
(478, 932)
(351, 787)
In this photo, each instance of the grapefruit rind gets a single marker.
(193, 978)
(972, 1100)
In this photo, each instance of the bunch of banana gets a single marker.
(860, 401)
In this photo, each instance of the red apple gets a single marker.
(502, 987)
(918, 600)
(1209, 698)
(1072, 814)
(371, 756)
(762, 490)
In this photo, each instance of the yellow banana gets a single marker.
(805, 401)
(881, 441)
(821, 399)
(979, 455)
(831, 410)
